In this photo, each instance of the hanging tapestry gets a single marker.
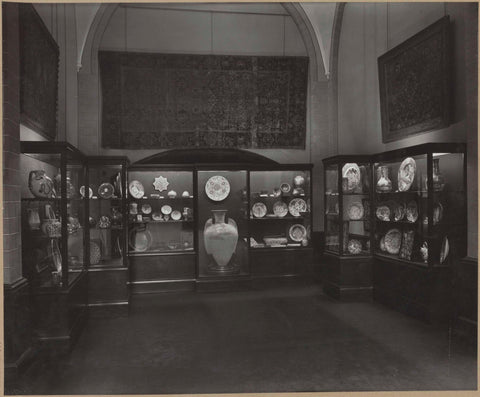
(156, 101)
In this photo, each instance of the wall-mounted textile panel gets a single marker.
(156, 101)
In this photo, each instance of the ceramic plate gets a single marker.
(412, 211)
(157, 216)
(259, 210)
(398, 211)
(383, 213)
(140, 240)
(176, 215)
(297, 206)
(437, 213)
(393, 240)
(445, 249)
(351, 172)
(280, 209)
(217, 188)
(82, 192)
(285, 187)
(146, 209)
(354, 247)
(166, 210)
(106, 190)
(160, 183)
(297, 232)
(406, 174)
(136, 189)
(104, 222)
(355, 211)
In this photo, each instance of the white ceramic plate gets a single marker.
(355, 211)
(166, 209)
(351, 171)
(297, 232)
(393, 240)
(297, 206)
(259, 210)
(136, 189)
(280, 209)
(82, 191)
(146, 209)
(406, 174)
(412, 211)
(176, 215)
(217, 188)
(160, 183)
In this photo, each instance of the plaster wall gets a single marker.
(368, 31)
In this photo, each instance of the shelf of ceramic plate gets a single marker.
(187, 251)
(169, 221)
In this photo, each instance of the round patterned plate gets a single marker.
(398, 211)
(351, 172)
(393, 240)
(280, 209)
(383, 213)
(406, 174)
(297, 232)
(355, 211)
(82, 192)
(259, 210)
(176, 215)
(285, 187)
(166, 210)
(146, 209)
(140, 240)
(412, 211)
(354, 247)
(106, 190)
(217, 188)
(296, 206)
(136, 189)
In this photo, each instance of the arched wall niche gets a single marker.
(321, 134)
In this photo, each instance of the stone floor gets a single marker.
(278, 340)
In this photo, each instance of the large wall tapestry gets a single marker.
(39, 57)
(154, 101)
(415, 83)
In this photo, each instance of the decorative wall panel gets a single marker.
(156, 101)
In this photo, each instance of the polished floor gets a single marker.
(277, 340)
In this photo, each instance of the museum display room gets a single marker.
(224, 169)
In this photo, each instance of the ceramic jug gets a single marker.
(33, 219)
(384, 184)
(40, 184)
(220, 238)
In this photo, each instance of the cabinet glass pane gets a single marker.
(160, 211)
(280, 209)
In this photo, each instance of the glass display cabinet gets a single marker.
(280, 219)
(348, 229)
(161, 225)
(54, 230)
(107, 250)
(419, 224)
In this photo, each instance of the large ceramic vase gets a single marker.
(220, 240)
(40, 184)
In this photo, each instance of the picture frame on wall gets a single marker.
(39, 59)
(415, 83)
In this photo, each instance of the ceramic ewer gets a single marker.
(41, 185)
(220, 239)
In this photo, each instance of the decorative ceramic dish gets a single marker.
(298, 191)
(106, 190)
(398, 211)
(185, 194)
(437, 213)
(259, 210)
(166, 210)
(146, 209)
(406, 174)
(393, 240)
(136, 189)
(444, 250)
(354, 246)
(297, 206)
(217, 188)
(355, 211)
(285, 187)
(412, 211)
(351, 172)
(280, 209)
(160, 183)
(176, 215)
(157, 216)
(275, 241)
(172, 194)
(297, 232)
(140, 240)
(104, 222)
(383, 213)
(82, 192)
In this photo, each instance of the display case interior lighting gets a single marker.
(439, 154)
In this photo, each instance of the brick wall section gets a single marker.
(12, 257)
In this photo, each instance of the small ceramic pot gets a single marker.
(172, 194)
